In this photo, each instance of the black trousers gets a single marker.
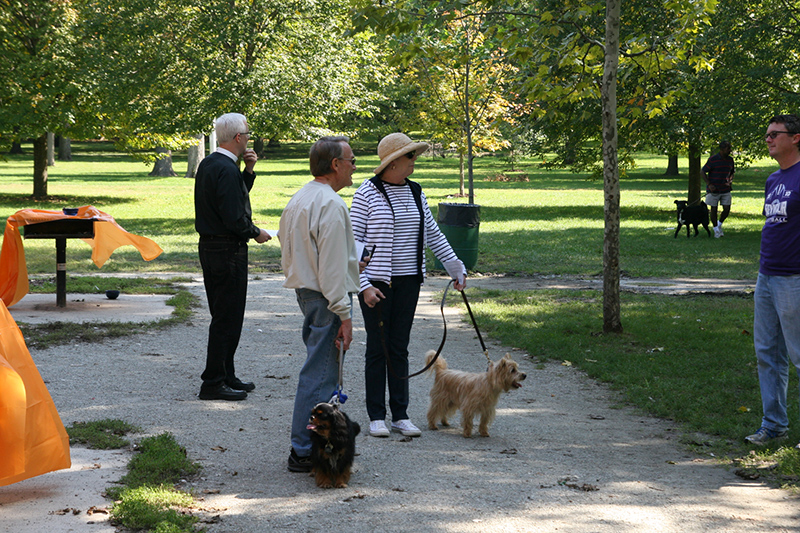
(224, 264)
(397, 312)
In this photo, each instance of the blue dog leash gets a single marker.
(339, 397)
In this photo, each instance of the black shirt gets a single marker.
(222, 199)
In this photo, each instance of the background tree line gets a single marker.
(521, 75)
(583, 84)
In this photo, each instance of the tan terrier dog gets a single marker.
(472, 393)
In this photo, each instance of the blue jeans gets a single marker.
(319, 377)
(776, 335)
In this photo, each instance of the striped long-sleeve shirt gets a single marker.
(394, 234)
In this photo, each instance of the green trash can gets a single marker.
(460, 223)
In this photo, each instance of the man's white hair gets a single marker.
(228, 125)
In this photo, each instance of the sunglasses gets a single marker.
(412, 154)
(773, 134)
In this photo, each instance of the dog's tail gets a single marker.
(440, 363)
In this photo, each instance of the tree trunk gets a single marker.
(64, 149)
(695, 174)
(195, 154)
(461, 175)
(569, 153)
(258, 146)
(51, 149)
(468, 131)
(612, 321)
(16, 148)
(40, 168)
(163, 166)
(672, 165)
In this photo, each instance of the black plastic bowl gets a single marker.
(112, 294)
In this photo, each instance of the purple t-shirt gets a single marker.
(780, 237)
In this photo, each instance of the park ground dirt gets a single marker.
(565, 454)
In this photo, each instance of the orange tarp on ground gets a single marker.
(33, 440)
(108, 236)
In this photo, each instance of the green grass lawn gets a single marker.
(551, 224)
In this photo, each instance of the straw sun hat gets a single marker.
(395, 145)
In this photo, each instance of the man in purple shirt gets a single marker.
(776, 329)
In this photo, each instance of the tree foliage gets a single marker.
(41, 78)
(449, 54)
(173, 65)
(43, 84)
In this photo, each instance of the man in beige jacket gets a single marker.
(318, 256)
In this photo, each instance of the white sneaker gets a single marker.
(717, 232)
(719, 229)
(377, 428)
(406, 428)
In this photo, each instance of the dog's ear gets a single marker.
(339, 417)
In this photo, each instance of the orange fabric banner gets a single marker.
(33, 440)
(108, 236)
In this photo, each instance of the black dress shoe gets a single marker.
(222, 392)
(299, 464)
(238, 384)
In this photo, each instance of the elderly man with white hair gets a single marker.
(223, 218)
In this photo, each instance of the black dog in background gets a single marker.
(692, 215)
(333, 445)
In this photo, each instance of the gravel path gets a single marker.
(564, 455)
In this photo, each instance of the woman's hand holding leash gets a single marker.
(460, 283)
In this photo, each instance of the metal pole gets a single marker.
(61, 272)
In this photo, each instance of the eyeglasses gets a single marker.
(773, 134)
(412, 154)
(245, 133)
(353, 160)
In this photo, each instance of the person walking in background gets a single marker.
(718, 175)
(318, 256)
(223, 218)
(776, 329)
(391, 217)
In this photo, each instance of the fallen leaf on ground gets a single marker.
(68, 510)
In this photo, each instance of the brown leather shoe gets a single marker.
(221, 392)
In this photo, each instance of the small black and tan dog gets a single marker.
(333, 445)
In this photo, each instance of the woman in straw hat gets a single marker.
(390, 215)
